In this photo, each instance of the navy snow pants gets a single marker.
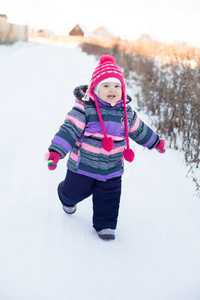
(105, 197)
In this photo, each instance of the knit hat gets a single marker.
(106, 69)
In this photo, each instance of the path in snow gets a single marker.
(46, 254)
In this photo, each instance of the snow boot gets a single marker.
(69, 209)
(106, 234)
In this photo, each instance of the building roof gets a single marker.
(103, 32)
(3, 16)
(83, 28)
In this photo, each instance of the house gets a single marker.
(3, 17)
(103, 33)
(80, 30)
(44, 33)
(144, 38)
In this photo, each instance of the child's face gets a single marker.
(110, 92)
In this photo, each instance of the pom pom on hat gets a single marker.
(105, 58)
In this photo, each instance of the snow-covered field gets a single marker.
(46, 254)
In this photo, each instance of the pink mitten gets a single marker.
(161, 146)
(53, 159)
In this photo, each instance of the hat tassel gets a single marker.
(107, 143)
(128, 153)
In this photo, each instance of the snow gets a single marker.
(46, 254)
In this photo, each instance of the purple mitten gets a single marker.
(161, 146)
(53, 159)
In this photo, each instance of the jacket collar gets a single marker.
(80, 93)
(106, 104)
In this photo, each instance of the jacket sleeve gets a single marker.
(71, 131)
(143, 134)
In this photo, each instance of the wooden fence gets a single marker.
(12, 32)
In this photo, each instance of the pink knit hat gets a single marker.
(106, 69)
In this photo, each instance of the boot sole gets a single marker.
(106, 237)
(69, 213)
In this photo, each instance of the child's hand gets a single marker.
(161, 147)
(52, 158)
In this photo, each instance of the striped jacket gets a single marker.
(81, 135)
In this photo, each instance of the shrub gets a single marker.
(171, 92)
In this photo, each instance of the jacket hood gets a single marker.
(80, 94)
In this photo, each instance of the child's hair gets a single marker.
(109, 70)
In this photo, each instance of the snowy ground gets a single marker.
(46, 254)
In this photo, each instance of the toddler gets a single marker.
(96, 133)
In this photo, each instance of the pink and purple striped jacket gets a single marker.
(81, 135)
